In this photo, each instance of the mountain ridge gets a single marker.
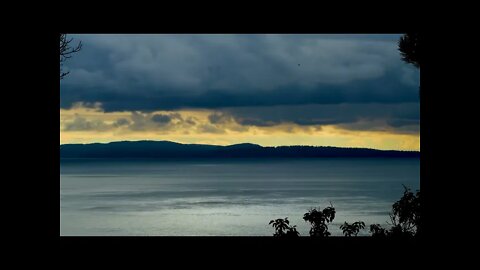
(168, 149)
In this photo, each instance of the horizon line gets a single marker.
(349, 147)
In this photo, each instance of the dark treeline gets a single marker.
(166, 149)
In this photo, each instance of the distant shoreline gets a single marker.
(171, 150)
(230, 158)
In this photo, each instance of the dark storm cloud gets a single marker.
(166, 72)
(402, 117)
(357, 82)
(256, 122)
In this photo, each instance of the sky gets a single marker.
(325, 90)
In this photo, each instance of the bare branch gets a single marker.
(66, 52)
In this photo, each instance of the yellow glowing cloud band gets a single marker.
(97, 126)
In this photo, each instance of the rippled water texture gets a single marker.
(225, 197)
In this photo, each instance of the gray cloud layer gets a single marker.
(137, 122)
(356, 81)
(154, 72)
(401, 117)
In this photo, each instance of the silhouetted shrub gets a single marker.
(352, 229)
(292, 232)
(378, 231)
(283, 229)
(318, 220)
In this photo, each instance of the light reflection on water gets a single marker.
(225, 197)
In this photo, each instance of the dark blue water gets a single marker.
(225, 197)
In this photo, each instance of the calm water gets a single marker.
(225, 197)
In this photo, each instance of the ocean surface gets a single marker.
(229, 197)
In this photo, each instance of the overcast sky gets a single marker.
(224, 89)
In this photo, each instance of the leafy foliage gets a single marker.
(352, 229)
(319, 220)
(378, 231)
(405, 217)
(283, 228)
(408, 45)
(292, 232)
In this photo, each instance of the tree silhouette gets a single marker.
(405, 216)
(354, 228)
(408, 45)
(319, 220)
(292, 232)
(378, 231)
(283, 229)
(66, 52)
